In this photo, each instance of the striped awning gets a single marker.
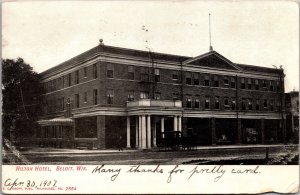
(57, 121)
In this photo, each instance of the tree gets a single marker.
(21, 90)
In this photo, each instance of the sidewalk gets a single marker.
(29, 151)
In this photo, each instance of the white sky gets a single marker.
(259, 33)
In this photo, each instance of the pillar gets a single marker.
(175, 123)
(101, 132)
(144, 133)
(162, 128)
(262, 127)
(140, 131)
(213, 131)
(148, 131)
(179, 125)
(239, 131)
(128, 131)
(136, 131)
(154, 133)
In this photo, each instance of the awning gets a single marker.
(57, 121)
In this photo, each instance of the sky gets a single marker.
(261, 33)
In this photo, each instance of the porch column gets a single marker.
(179, 124)
(136, 131)
(140, 131)
(154, 133)
(162, 128)
(262, 127)
(175, 124)
(144, 133)
(128, 131)
(148, 131)
(213, 130)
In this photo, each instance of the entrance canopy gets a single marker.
(57, 121)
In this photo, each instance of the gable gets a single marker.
(212, 60)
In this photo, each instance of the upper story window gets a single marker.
(243, 83)
(233, 103)
(226, 103)
(250, 84)
(265, 104)
(207, 101)
(249, 104)
(278, 85)
(206, 80)
(130, 96)
(110, 71)
(196, 79)
(144, 74)
(271, 86)
(130, 72)
(188, 101)
(175, 75)
(95, 96)
(256, 84)
(85, 72)
(243, 104)
(69, 79)
(144, 95)
(188, 78)
(264, 83)
(197, 101)
(95, 71)
(226, 82)
(272, 105)
(63, 81)
(216, 81)
(257, 105)
(175, 96)
(76, 76)
(232, 82)
(217, 103)
(62, 103)
(76, 100)
(110, 96)
(157, 96)
(157, 75)
(85, 97)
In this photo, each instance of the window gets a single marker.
(196, 79)
(216, 81)
(278, 85)
(207, 100)
(85, 97)
(265, 104)
(197, 102)
(217, 103)
(157, 75)
(76, 100)
(130, 96)
(144, 95)
(232, 82)
(243, 83)
(226, 82)
(256, 84)
(62, 103)
(188, 102)
(157, 96)
(226, 103)
(271, 105)
(69, 79)
(175, 75)
(249, 104)
(95, 96)
(206, 80)
(54, 84)
(233, 104)
(175, 96)
(85, 72)
(257, 105)
(264, 83)
(130, 73)
(243, 104)
(63, 81)
(95, 71)
(271, 86)
(144, 74)
(110, 96)
(76, 76)
(188, 78)
(250, 84)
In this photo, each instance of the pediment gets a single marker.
(212, 59)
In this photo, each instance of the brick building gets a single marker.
(292, 118)
(111, 96)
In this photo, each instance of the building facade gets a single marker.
(292, 118)
(111, 96)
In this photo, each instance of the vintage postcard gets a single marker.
(160, 97)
